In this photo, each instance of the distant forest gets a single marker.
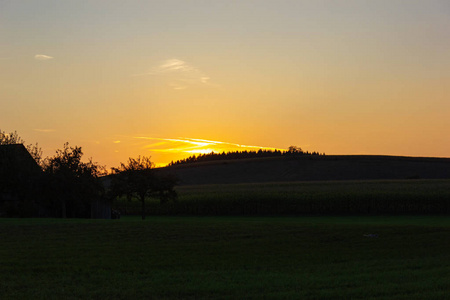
(291, 152)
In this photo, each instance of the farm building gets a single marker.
(19, 175)
(25, 191)
(17, 161)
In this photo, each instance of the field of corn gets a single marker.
(386, 197)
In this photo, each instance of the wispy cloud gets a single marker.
(175, 65)
(205, 79)
(194, 146)
(44, 130)
(180, 73)
(42, 57)
(178, 85)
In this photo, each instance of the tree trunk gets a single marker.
(143, 207)
(126, 203)
(63, 208)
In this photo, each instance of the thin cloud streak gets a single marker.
(171, 65)
(180, 73)
(44, 130)
(42, 57)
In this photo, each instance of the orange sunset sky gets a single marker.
(174, 78)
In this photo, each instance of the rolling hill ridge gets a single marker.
(310, 168)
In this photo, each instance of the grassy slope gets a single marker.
(308, 168)
(228, 258)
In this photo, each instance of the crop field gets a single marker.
(376, 257)
(376, 197)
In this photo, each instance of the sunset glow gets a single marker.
(171, 79)
(164, 150)
(196, 146)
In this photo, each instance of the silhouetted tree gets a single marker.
(72, 183)
(137, 179)
(295, 150)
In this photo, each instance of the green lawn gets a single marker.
(226, 258)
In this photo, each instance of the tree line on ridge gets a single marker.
(292, 151)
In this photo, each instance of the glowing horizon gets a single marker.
(196, 145)
(183, 147)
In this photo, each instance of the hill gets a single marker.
(310, 168)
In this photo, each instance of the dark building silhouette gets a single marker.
(17, 160)
(24, 188)
(19, 176)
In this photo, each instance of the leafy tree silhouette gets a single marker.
(137, 179)
(72, 183)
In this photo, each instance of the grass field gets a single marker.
(226, 258)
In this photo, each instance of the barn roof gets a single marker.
(16, 158)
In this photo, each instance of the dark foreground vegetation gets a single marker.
(64, 185)
(384, 197)
(226, 258)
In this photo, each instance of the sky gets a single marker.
(169, 79)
